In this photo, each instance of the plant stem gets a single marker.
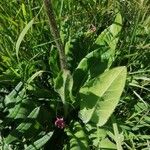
(55, 33)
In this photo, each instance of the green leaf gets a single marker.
(78, 139)
(39, 143)
(10, 97)
(99, 138)
(98, 60)
(53, 59)
(118, 137)
(107, 144)
(20, 107)
(109, 37)
(21, 36)
(91, 66)
(63, 85)
(23, 127)
(34, 76)
(17, 104)
(100, 96)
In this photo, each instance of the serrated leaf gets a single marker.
(100, 96)
(78, 139)
(21, 36)
(17, 133)
(39, 143)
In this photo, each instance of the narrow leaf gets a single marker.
(10, 97)
(17, 133)
(21, 36)
(39, 143)
(34, 76)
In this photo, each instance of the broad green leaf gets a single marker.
(33, 115)
(100, 96)
(91, 66)
(21, 36)
(78, 139)
(63, 85)
(17, 104)
(23, 127)
(39, 143)
(100, 59)
(109, 37)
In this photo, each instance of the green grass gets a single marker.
(37, 52)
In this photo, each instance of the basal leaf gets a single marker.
(63, 85)
(20, 107)
(17, 133)
(78, 139)
(10, 97)
(39, 143)
(100, 96)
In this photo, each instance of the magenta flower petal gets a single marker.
(60, 123)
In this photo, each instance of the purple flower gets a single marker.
(60, 123)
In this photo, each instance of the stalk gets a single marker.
(55, 34)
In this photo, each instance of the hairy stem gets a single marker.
(55, 33)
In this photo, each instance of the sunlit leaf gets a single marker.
(109, 37)
(21, 36)
(100, 96)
